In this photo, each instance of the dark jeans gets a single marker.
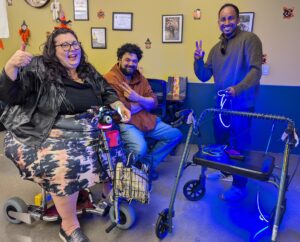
(237, 136)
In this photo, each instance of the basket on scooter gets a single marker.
(131, 183)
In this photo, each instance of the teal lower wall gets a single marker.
(276, 100)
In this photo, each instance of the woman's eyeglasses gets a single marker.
(67, 46)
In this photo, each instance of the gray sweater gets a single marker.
(239, 68)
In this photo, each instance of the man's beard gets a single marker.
(126, 73)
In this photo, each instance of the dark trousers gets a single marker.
(237, 136)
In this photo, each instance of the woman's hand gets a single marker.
(122, 111)
(19, 59)
(125, 114)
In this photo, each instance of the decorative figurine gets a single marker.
(148, 44)
(63, 22)
(1, 44)
(24, 32)
(288, 12)
(100, 14)
(55, 8)
(197, 14)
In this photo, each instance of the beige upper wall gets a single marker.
(280, 36)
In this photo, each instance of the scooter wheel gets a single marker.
(126, 213)
(14, 204)
(162, 226)
(193, 190)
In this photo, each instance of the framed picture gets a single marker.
(81, 9)
(98, 38)
(172, 26)
(122, 21)
(246, 21)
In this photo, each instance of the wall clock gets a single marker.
(37, 3)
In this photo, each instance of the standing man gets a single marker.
(135, 92)
(235, 63)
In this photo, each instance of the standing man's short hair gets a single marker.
(236, 9)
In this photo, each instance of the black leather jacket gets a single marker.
(34, 102)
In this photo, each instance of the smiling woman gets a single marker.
(48, 92)
(37, 3)
(68, 52)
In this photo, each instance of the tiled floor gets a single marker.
(207, 220)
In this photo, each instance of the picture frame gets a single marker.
(246, 21)
(122, 21)
(81, 10)
(172, 28)
(98, 37)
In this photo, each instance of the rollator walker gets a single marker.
(256, 165)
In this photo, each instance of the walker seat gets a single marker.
(256, 165)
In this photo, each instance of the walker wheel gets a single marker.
(193, 190)
(126, 213)
(14, 204)
(162, 225)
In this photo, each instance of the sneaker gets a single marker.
(218, 175)
(234, 194)
(76, 236)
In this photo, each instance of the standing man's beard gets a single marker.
(127, 73)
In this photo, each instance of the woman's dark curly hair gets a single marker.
(55, 68)
(130, 48)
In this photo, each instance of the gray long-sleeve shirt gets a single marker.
(239, 68)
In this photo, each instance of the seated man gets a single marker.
(135, 92)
